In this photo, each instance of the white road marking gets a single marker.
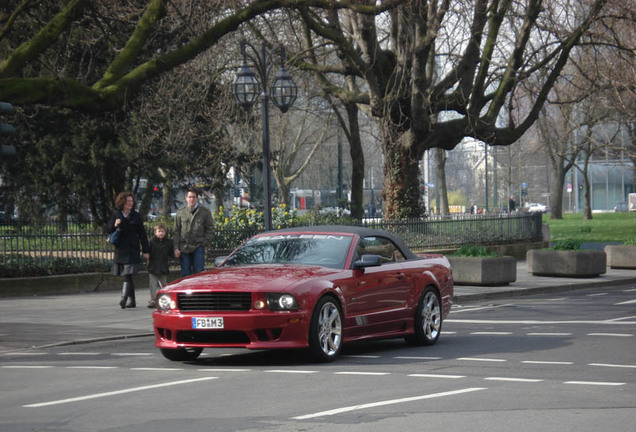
(363, 373)
(490, 333)
(437, 376)
(547, 362)
(597, 294)
(387, 402)
(625, 303)
(611, 334)
(131, 354)
(480, 359)
(417, 358)
(156, 369)
(24, 354)
(594, 383)
(538, 322)
(549, 334)
(291, 371)
(116, 392)
(27, 367)
(528, 380)
(474, 309)
(612, 365)
(79, 354)
(224, 370)
(91, 367)
(623, 318)
(361, 356)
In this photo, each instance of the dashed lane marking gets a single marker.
(611, 334)
(490, 333)
(437, 376)
(481, 359)
(628, 302)
(387, 402)
(612, 365)
(510, 379)
(116, 392)
(595, 383)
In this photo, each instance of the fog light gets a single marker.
(259, 304)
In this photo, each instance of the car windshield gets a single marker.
(325, 250)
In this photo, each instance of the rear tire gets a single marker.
(428, 319)
(325, 332)
(181, 354)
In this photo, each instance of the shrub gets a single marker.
(474, 251)
(26, 266)
(567, 245)
(241, 218)
(630, 242)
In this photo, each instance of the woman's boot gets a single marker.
(124, 295)
(131, 294)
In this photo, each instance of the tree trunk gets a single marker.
(440, 178)
(401, 187)
(557, 179)
(587, 199)
(357, 162)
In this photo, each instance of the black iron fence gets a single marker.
(84, 247)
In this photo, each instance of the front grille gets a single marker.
(217, 301)
(212, 337)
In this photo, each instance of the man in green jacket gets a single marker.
(193, 231)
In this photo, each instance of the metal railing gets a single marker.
(85, 247)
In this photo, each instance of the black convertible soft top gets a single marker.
(349, 229)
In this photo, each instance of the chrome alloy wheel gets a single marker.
(330, 329)
(325, 333)
(431, 316)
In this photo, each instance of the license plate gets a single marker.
(207, 323)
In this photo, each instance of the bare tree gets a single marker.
(289, 162)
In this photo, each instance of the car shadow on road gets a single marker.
(392, 351)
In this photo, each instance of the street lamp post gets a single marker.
(246, 89)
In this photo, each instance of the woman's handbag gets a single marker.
(114, 237)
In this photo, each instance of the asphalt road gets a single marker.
(556, 362)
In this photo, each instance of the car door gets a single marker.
(378, 295)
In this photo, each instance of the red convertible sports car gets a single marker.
(310, 287)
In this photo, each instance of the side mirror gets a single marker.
(367, 261)
(219, 260)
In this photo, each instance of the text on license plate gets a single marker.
(207, 323)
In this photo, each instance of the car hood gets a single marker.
(253, 278)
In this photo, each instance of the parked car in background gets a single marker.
(309, 287)
(536, 208)
(621, 207)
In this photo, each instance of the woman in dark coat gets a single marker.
(127, 251)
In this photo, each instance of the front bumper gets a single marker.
(250, 329)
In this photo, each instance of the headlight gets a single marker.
(164, 302)
(281, 302)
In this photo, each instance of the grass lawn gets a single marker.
(603, 227)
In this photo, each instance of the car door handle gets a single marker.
(400, 275)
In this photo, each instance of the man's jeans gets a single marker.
(194, 262)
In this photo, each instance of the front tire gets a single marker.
(428, 319)
(181, 354)
(325, 332)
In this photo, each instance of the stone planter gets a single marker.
(572, 263)
(486, 271)
(619, 256)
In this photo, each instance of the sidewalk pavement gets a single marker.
(28, 323)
